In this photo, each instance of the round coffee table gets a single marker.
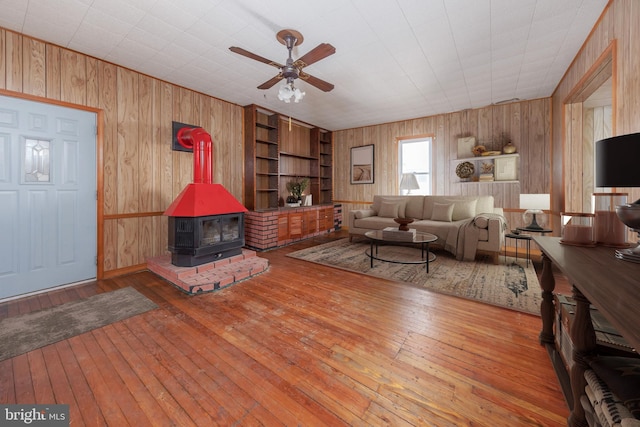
(379, 238)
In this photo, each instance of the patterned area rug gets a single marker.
(507, 284)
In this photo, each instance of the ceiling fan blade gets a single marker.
(319, 83)
(314, 55)
(269, 83)
(241, 51)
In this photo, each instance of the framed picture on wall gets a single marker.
(506, 168)
(362, 171)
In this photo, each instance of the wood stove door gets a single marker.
(47, 196)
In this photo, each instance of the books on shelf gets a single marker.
(486, 177)
(392, 233)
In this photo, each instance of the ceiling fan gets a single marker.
(293, 69)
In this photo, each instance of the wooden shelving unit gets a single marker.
(277, 150)
(261, 159)
(495, 161)
(325, 172)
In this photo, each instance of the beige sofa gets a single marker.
(464, 225)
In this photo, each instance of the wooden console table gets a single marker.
(611, 285)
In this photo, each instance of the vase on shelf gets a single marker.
(509, 148)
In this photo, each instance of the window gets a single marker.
(415, 158)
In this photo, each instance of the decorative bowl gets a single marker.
(404, 223)
(464, 170)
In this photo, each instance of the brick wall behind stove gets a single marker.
(261, 229)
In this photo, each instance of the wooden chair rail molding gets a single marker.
(133, 215)
(353, 202)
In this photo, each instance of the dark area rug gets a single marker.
(23, 333)
(507, 284)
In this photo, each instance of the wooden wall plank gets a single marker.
(108, 102)
(127, 250)
(13, 59)
(53, 64)
(74, 77)
(145, 144)
(166, 157)
(34, 76)
(128, 170)
(110, 250)
(155, 136)
(93, 87)
(145, 238)
(183, 105)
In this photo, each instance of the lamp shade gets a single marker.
(617, 161)
(409, 182)
(535, 201)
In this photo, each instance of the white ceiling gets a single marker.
(394, 60)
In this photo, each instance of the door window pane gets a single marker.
(35, 162)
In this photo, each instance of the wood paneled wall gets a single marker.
(526, 123)
(596, 125)
(619, 26)
(140, 174)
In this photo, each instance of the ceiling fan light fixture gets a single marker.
(298, 95)
(287, 92)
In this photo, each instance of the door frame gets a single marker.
(99, 165)
(603, 69)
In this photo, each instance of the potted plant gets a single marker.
(296, 187)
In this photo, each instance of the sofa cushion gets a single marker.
(388, 210)
(442, 212)
(414, 207)
(463, 209)
(375, 223)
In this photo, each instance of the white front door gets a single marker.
(47, 196)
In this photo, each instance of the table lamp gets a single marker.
(535, 204)
(617, 166)
(409, 182)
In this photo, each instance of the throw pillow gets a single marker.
(463, 209)
(388, 210)
(402, 205)
(442, 212)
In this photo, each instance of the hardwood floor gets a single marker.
(300, 344)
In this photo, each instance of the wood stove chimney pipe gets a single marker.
(200, 141)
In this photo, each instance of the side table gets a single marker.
(517, 237)
(542, 231)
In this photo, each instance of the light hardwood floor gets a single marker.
(300, 344)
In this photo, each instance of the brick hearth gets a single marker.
(211, 276)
